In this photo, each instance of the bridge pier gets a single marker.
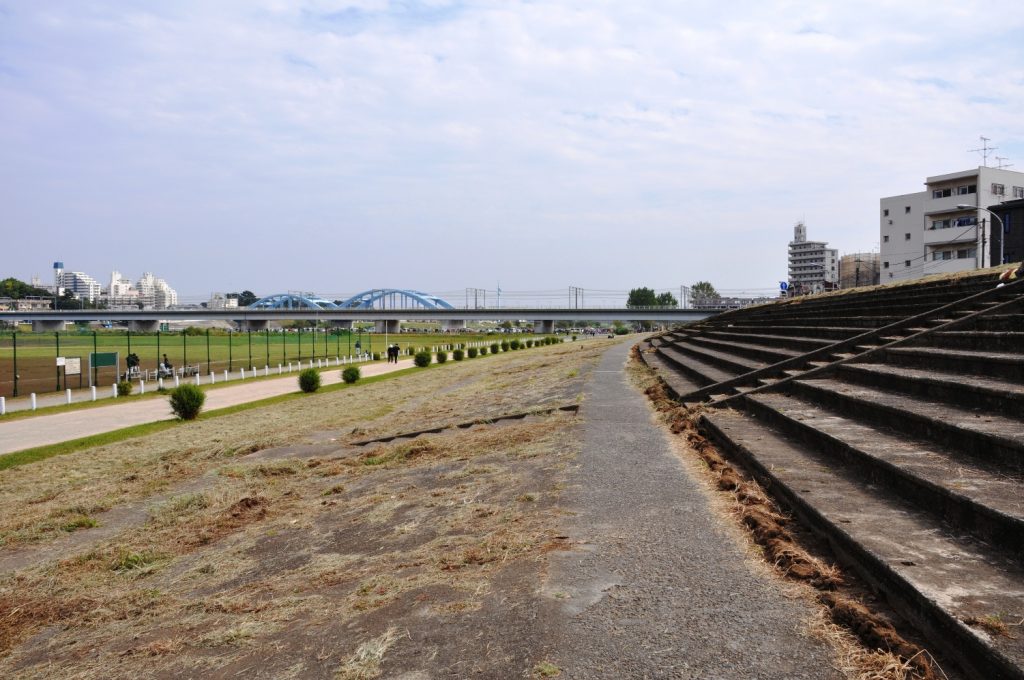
(388, 326)
(144, 326)
(544, 327)
(253, 325)
(50, 325)
(453, 324)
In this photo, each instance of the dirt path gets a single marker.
(659, 587)
(26, 433)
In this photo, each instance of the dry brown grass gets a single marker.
(276, 548)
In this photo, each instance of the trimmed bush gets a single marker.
(458, 355)
(495, 347)
(187, 401)
(309, 380)
(504, 345)
(529, 343)
(422, 359)
(472, 352)
(442, 356)
(574, 338)
(124, 388)
(483, 351)
(351, 374)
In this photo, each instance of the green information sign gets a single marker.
(101, 359)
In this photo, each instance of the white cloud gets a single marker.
(594, 143)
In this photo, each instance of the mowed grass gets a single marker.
(269, 539)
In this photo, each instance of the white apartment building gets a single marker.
(121, 293)
(928, 233)
(222, 301)
(154, 293)
(81, 285)
(813, 266)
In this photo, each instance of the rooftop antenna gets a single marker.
(1000, 162)
(984, 150)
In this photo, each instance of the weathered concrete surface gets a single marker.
(659, 587)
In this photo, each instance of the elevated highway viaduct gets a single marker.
(253, 319)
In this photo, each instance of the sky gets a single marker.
(333, 147)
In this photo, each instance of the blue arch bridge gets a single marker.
(386, 307)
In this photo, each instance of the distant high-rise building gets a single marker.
(812, 264)
(927, 232)
(222, 301)
(858, 269)
(121, 293)
(154, 293)
(80, 284)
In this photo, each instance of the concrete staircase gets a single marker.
(891, 420)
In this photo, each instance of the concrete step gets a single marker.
(827, 334)
(982, 341)
(801, 344)
(751, 350)
(678, 383)
(984, 501)
(964, 391)
(935, 577)
(692, 368)
(987, 437)
(729, 362)
(1004, 365)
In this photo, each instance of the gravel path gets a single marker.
(659, 588)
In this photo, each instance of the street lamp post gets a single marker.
(1002, 235)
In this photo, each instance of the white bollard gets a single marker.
(213, 379)
(3, 406)
(243, 374)
(67, 393)
(142, 387)
(279, 369)
(225, 375)
(289, 367)
(94, 393)
(33, 401)
(266, 370)
(317, 364)
(177, 383)
(197, 380)
(159, 383)
(311, 363)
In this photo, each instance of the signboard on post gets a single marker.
(99, 360)
(72, 365)
(60, 361)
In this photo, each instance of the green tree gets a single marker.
(667, 300)
(704, 293)
(642, 297)
(16, 289)
(245, 298)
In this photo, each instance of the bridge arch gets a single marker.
(293, 301)
(394, 298)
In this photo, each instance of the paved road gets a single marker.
(659, 589)
(26, 433)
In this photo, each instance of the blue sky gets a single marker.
(339, 146)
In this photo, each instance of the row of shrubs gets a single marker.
(187, 400)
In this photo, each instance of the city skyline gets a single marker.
(438, 145)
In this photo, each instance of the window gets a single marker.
(965, 253)
(906, 210)
(942, 193)
(965, 221)
(885, 213)
(998, 189)
(906, 237)
(906, 263)
(965, 189)
(885, 265)
(1018, 192)
(885, 239)
(941, 224)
